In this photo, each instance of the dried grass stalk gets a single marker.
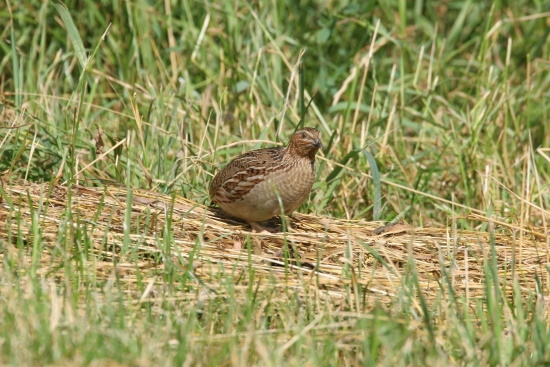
(337, 257)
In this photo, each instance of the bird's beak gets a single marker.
(317, 143)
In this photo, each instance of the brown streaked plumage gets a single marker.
(250, 186)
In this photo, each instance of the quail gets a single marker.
(261, 184)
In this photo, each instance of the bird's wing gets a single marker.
(240, 175)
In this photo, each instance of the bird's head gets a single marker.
(305, 142)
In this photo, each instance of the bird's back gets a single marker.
(240, 175)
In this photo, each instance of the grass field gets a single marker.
(434, 114)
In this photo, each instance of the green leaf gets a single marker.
(375, 173)
(241, 86)
(73, 33)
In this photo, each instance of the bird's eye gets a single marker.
(303, 135)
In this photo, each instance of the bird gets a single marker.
(261, 184)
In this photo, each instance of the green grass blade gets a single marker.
(377, 184)
(78, 45)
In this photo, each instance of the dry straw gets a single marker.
(337, 259)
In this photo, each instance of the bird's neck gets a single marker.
(296, 152)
